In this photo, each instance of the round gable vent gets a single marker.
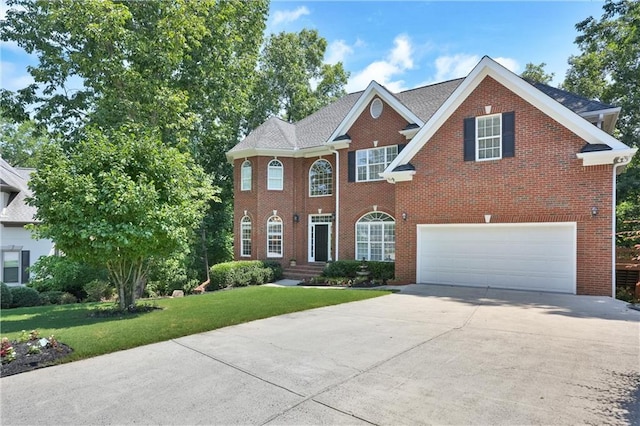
(376, 108)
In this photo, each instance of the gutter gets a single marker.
(618, 162)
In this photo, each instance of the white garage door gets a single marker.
(525, 256)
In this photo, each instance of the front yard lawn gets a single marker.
(91, 336)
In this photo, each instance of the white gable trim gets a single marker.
(488, 67)
(372, 90)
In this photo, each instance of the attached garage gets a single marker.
(523, 256)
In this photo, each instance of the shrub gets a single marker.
(5, 296)
(59, 273)
(342, 268)
(97, 290)
(68, 298)
(275, 267)
(382, 270)
(51, 297)
(240, 273)
(24, 296)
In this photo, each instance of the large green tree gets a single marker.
(293, 81)
(119, 200)
(537, 73)
(185, 68)
(608, 69)
(19, 142)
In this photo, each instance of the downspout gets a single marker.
(618, 162)
(337, 214)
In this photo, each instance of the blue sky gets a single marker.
(406, 44)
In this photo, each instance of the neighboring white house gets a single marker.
(18, 251)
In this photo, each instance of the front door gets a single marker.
(321, 243)
(320, 237)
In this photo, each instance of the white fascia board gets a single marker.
(372, 90)
(394, 177)
(341, 144)
(291, 153)
(606, 157)
(608, 111)
(488, 67)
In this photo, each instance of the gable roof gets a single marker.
(423, 108)
(542, 101)
(14, 180)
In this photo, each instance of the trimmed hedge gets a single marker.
(349, 268)
(243, 273)
(5, 296)
(24, 296)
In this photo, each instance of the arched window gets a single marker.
(245, 236)
(320, 179)
(274, 237)
(275, 175)
(376, 237)
(245, 178)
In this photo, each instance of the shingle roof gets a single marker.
(15, 180)
(314, 130)
(575, 103)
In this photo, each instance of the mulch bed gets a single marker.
(26, 362)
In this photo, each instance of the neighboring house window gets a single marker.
(371, 162)
(489, 137)
(245, 179)
(320, 179)
(245, 236)
(275, 175)
(376, 237)
(11, 266)
(274, 237)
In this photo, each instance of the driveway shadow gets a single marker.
(569, 305)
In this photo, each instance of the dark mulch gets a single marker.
(364, 284)
(26, 362)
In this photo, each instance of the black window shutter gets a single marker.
(508, 134)
(351, 159)
(469, 139)
(25, 266)
(401, 147)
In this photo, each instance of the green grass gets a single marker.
(90, 336)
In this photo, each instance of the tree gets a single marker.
(183, 68)
(608, 69)
(19, 142)
(289, 67)
(119, 200)
(537, 73)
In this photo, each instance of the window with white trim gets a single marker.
(11, 266)
(320, 179)
(245, 236)
(371, 162)
(274, 237)
(376, 237)
(489, 137)
(245, 178)
(275, 175)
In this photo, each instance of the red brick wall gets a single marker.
(544, 182)
(358, 198)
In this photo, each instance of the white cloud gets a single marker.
(338, 51)
(456, 66)
(386, 72)
(510, 64)
(287, 16)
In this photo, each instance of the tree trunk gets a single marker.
(129, 277)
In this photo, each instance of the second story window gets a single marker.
(371, 162)
(245, 178)
(320, 179)
(275, 176)
(488, 137)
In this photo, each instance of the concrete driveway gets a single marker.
(430, 354)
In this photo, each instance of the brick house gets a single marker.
(489, 180)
